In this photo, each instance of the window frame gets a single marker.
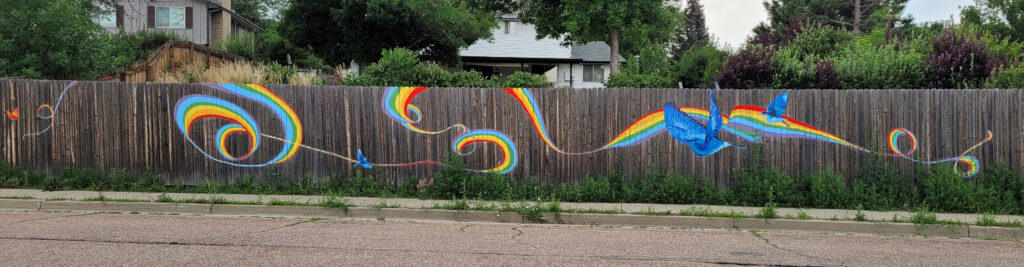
(156, 21)
(595, 73)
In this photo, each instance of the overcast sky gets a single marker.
(731, 21)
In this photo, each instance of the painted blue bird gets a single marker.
(773, 114)
(362, 161)
(702, 140)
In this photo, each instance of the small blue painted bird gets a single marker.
(773, 114)
(702, 140)
(362, 161)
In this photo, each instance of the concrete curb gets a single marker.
(879, 228)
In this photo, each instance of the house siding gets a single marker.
(135, 18)
(577, 76)
(521, 42)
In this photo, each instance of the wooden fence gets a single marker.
(170, 57)
(106, 125)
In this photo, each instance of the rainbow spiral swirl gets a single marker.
(192, 108)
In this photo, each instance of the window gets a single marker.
(593, 73)
(106, 17)
(170, 17)
(508, 27)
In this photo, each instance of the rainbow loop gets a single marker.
(397, 104)
(510, 156)
(192, 108)
(894, 137)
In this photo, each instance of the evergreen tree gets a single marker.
(694, 32)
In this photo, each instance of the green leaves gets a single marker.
(344, 30)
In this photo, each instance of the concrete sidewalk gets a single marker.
(825, 214)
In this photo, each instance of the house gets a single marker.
(199, 21)
(515, 47)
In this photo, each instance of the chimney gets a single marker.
(220, 23)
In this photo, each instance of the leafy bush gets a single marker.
(650, 69)
(699, 66)
(865, 67)
(402, 67)
(270, 47)
(828, 190)
(942, 188)
(1007, 77)
(53, 39)
(526, 80)
(473, 79)
(819, 42)
(827, 76)
(957, 61)
(792, 71)
(629, 80)
(139, 45)
(750, 68)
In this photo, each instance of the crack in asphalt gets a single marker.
(463, 229)
(616, 258)
(54, 217)
(766, 241)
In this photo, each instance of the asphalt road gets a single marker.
(40, 238)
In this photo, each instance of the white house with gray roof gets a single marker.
(515, 47)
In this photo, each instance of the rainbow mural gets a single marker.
(397, 104)
(745, 121)
(192, 108)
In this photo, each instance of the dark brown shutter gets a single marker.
(120, 16)
(188, 17)
(150, 17)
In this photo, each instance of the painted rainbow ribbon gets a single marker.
(397, 104)
(749, 119)
(639, 131)
(191, 108)
(510, 155)
(970, 161)
(53, 112)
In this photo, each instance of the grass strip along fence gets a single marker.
(878, 186)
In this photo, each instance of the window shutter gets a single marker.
(120, 16)
(150, 17)
(188, 17)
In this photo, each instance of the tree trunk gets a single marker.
(856, 16)
(613, 41)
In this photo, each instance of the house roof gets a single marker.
(593, 52)
(235, 17)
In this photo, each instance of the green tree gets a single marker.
(1003, 17)
(344, 30)
(260, 12)
(853, 15)
(581, 21)
(694, 31)
(52, 39)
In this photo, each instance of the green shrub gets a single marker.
(270, 47)
(879, 187)
(885, 67)
(792, 71)
(942, 188)
(473, 79)
(828, 190)
(54, 40)
(820, 42)
(628, 80)
(1007, 77)
(526, 80)
(699, 66)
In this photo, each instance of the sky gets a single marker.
(731, 21)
